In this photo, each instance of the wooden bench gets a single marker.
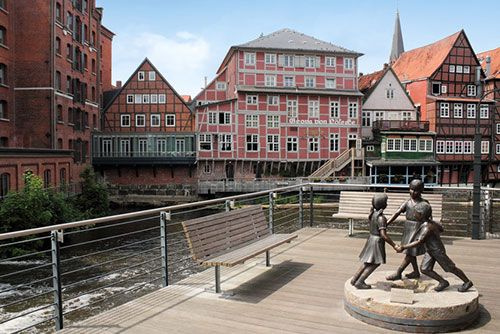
(356, 205)
(231, 238)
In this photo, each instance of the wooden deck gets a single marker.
(301, 293)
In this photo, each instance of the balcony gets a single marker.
(407, 126)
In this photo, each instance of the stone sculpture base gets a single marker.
(430, 312)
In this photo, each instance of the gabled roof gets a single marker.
(495, 62)
(368, 81)
(422, 62)
(288, 39)
(116, 92)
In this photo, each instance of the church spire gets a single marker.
(397, 41)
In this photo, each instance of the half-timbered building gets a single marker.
(148, 133)
(279, 105)
(441, 80)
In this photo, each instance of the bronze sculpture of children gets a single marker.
(373, 254)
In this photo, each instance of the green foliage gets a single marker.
(93, 201)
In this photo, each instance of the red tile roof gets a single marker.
(186, 98)
(422, 62)
(367, 81)
(495, 62)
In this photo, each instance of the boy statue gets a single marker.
(373, 254)
(411, 225)
(429, 235)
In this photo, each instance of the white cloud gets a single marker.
(181, 58)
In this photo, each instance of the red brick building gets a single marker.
(148, 135)
(440, 78)
(53, 63)
(281, 104)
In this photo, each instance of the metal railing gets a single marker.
(56, 274)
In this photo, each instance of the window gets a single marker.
(252, 121)
(70, 116)
(154, 98)
(334, 142)
(212, 118)
(4, 114)
(69, 21)
(409, 145)
(59, 113)
(444, 109)
(366, 118)
(291, 108)
(125, 121)
(220, 85)
(140, 76)
(436, 88)
(444, 89)
(273, 143)
(249, 58)
(205, 142)
(310, 82)
(314, 144)
(389, 93)
(58, 11)
(348, 63)
(155, 120)
(162, 98)
(273, 121)
(310, 61)
(4, 184)
(471, 90)
(452, 69)
(289, 81)
(425, 145)
(93, 66)
(58, 80)
(313, 108)
(498, 128)
(138, 98)
(471, 111)
(58, 45)
(130, 98)
(292, 144)
(484, 111)
(334, 109)
(124, 147)
(140, 120)
(485, 147)
(393, 144)
(450, 146)
(226, 142)
(169, 120)
(3, 74)
(252, 143)
(270, 58)
(143, 145)
(252, 99)
(270, 80)
(47, 178)
(467, 147)
(458, 110)
(497, 151)
(467, 69)
(224, 118)
(69, 86)
(405, 116)
(440, 146)
(459, 69)
(145, 98)
(459, 147)
(330, 83)
(288, 61)
(330, 61)
(151, 75)
(272, 100)
(207, 169)
(353, 110)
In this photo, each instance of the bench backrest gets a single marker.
(357, 203)
(218, 233)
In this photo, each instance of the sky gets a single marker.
(187, 40)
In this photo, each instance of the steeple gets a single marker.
(397, 41)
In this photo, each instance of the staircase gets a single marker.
(335, 165)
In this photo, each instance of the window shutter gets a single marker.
(318, 61)
(281, 60)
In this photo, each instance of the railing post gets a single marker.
(55, 239)
(227, 205)
(164, 217)
(301, 207)
(311, 208)
(271, 210)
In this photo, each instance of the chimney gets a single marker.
(360, 74)
(206, 82)
(118, 84)
(386, 66)
(488, 66)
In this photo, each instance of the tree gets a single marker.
(93, 201)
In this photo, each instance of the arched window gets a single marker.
(47, 176)
(59, 113)
(58, 80)
(58, 45)
(3, 74)
(3, 35)
(4, 184)
(62, 176)
(60, 143)
(3, 110)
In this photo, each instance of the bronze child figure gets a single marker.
(429, 235)
(373, 254)
(410, 226)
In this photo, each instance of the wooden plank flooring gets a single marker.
(301, 293)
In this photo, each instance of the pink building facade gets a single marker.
(280, 105)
